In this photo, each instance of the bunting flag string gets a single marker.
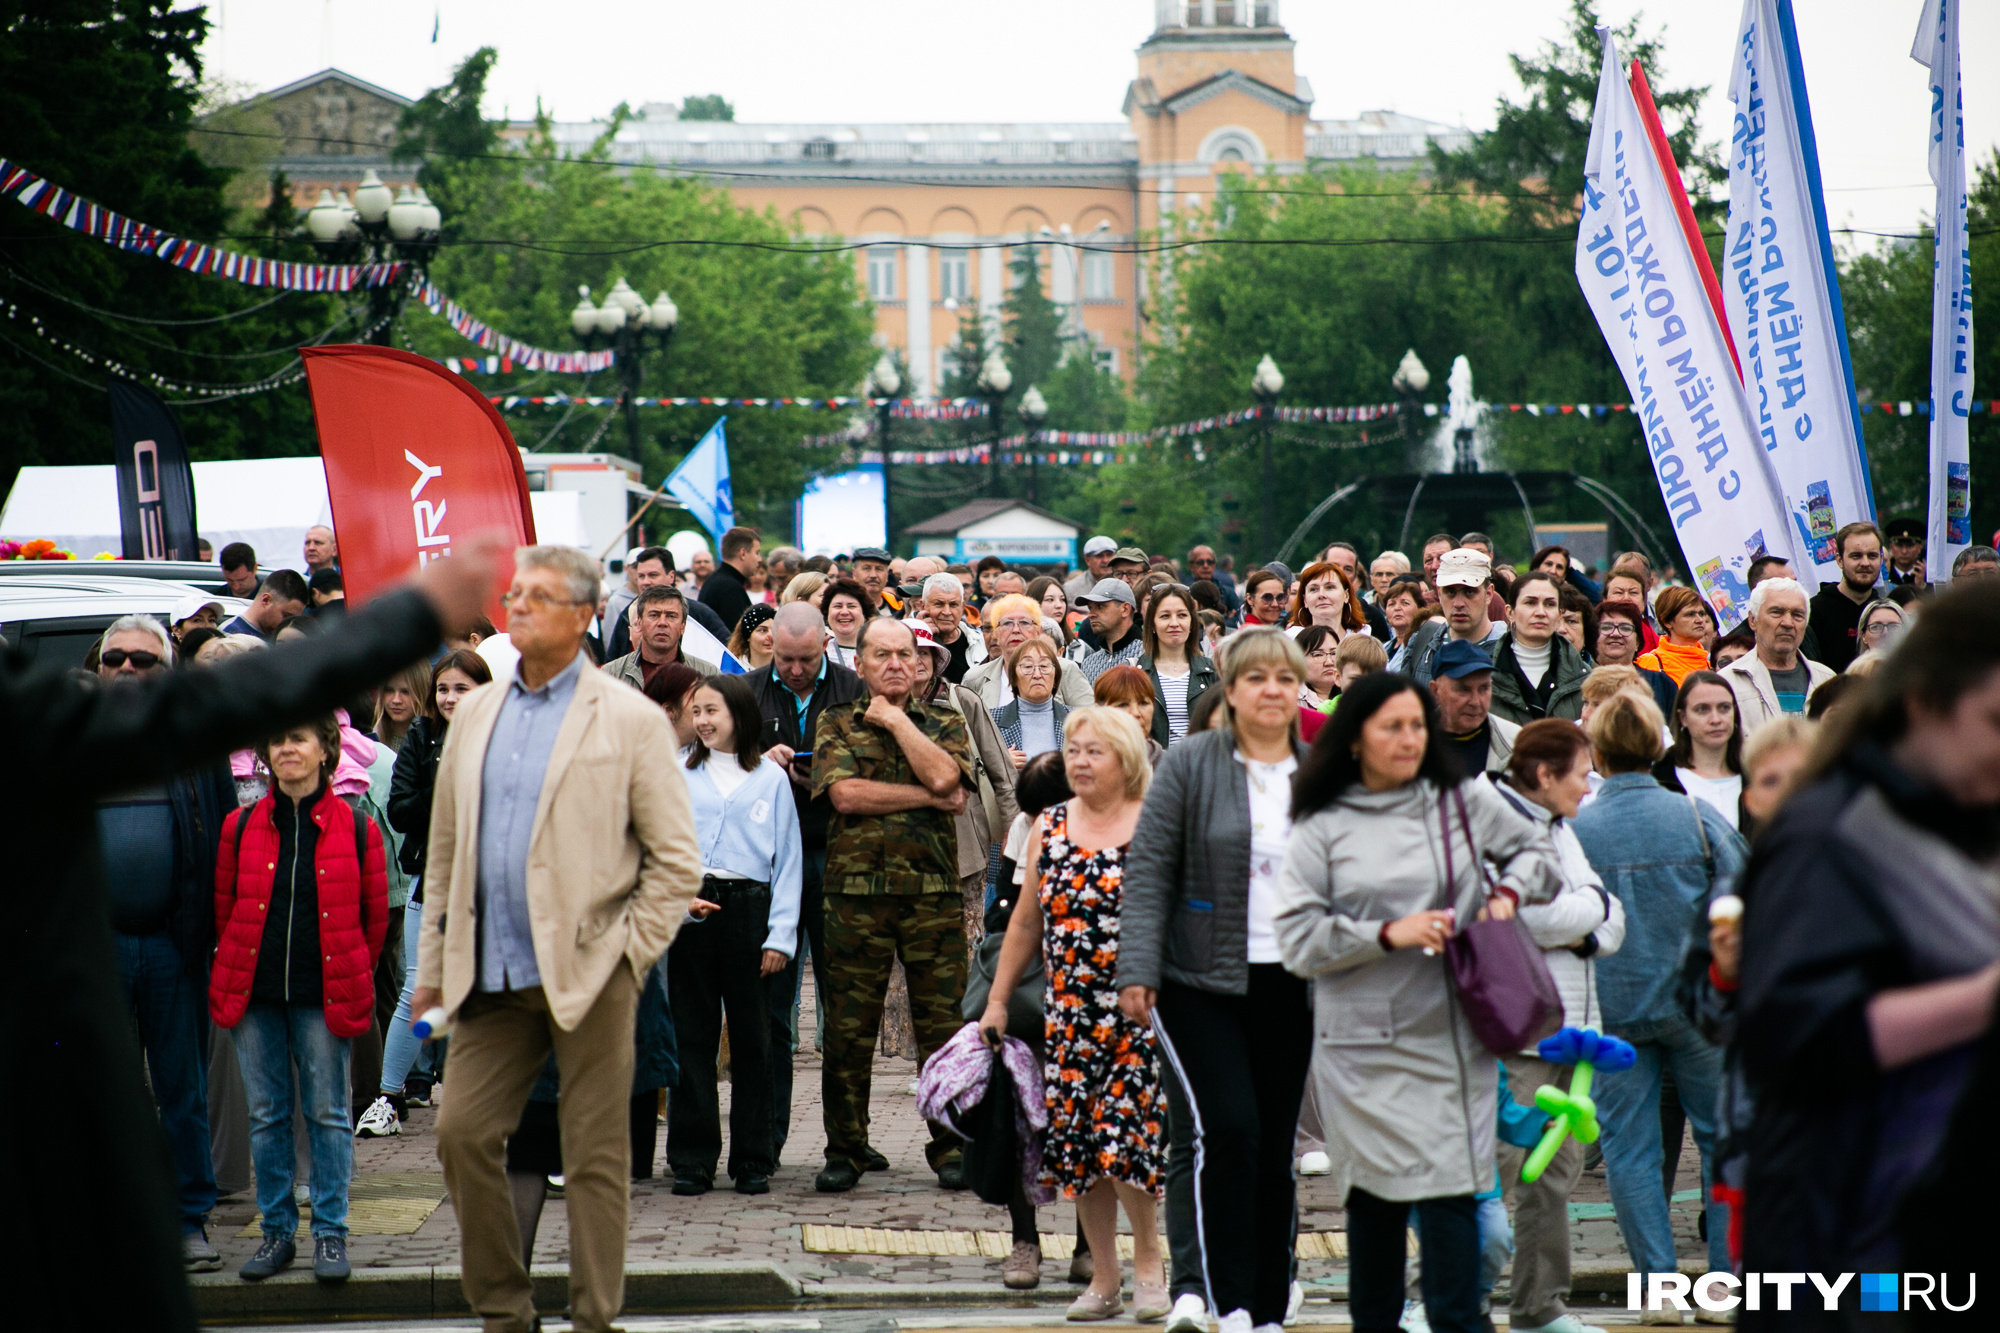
(943, 409)
(288, 374)
(79, 214)
(511, 352)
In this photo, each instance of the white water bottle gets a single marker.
(427, 1026)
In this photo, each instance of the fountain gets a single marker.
(1461, 441)
(1456, 479)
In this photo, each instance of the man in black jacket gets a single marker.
(158, 843)
(792, 692)
(727, 591)
(94, 1181)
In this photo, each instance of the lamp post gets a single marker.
(1410, 380)
(1033, 411)
(629, 325)
(884, 383)
(380, 226)
(994, 381)
(1267, 382)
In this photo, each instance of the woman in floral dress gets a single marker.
(1106, 1141)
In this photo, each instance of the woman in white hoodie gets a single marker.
(1546, 778)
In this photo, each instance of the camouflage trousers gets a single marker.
(865, 935)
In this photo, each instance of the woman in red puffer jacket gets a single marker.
(301, 907)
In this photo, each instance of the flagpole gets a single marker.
(651, 500)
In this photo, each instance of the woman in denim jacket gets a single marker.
(1661, 854)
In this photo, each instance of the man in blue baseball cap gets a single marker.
(1462, 684)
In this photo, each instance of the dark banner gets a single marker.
(155, 485)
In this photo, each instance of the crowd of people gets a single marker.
(1198, 846)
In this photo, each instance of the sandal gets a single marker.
(1090, 1306)
(1150, 1302)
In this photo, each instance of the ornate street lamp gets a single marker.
(1033, 411)
(380, 226)
(882, 385)
(994, 381)
(631, 326)
(1267, 382)
(1410, 380)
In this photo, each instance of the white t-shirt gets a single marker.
(1722, 793)
(1016, 845)
(1270, 830)
(1173, 689)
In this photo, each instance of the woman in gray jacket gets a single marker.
(1386, 857)
(1196, 937)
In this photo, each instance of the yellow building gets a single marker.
(936, 209)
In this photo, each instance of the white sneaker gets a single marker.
(1415, 1318)
(1189, 1315)
(1294, 1302)
(1236, 1321)
(378, 1121)
(1562, 1323)
(1315, 1164)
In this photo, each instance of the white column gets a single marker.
(991, 289)
(917, 309)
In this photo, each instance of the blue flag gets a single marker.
(701, 483)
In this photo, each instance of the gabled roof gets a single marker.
(1195, 95)
(967, 514)
(330, 75)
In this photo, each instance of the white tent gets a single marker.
(267, 502)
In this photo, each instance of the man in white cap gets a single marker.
(1114, 614)
(1097, 554)
(1464, 578)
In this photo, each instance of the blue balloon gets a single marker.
(1606, 1054)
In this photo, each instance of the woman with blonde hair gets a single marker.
(1198, 957)
(1107, 1114)
(1663, 854)
(804, 587)
(1773, 757)
(405, 698)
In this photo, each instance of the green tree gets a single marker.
(1533, 156)
(1886, 291)
(713, 106)
(100, 96)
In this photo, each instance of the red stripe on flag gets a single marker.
(1664, 152)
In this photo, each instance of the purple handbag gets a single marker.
(1503, 985)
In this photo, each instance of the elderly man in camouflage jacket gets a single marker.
(897, 771)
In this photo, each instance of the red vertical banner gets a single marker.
(414, 458)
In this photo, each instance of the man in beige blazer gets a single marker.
(562, 860)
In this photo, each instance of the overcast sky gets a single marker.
(1029, 60)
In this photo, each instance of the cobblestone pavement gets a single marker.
(726, 1225)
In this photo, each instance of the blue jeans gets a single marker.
(400, 1046)
(1496, 1244)
(1628, 1110)
(272, 1041)
(170, 1008)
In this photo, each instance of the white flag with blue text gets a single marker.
(701, 482)
(1641, 278)
(1950, 529)
(1783, 295)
